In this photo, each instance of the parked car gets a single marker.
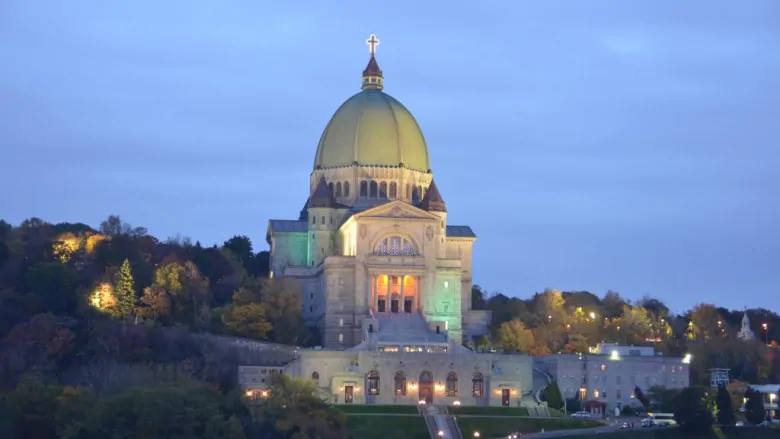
(647, 422)
(581, 414)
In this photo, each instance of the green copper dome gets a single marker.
(372, 128)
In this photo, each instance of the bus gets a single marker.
(663, 419)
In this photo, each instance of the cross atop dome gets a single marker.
(372, 74)
(372, 42)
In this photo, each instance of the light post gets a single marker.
(765, 327)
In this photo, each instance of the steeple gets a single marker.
(432, 201)
(323, 197)
(372, 74)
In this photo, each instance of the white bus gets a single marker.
(664, 419)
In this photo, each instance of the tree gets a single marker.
(640, 396)
(754, 407)
(247, 320)
(514, 337)
(725, 410)
(124, 290)
(704, 318)
(691, 412)
(478, 298)
(155, 304)
(552, 394)
(294, 410)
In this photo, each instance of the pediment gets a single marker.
(396, 209)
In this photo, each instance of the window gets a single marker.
(363, 188)
(341, 322)
(395, 246)
(477, 385)
(393, 190)
(619, 394)
(332, 189)
(400, 383)
(313, 220)
(452, 384)
(383, 189)
(374, 190)
(346, 188)
(338, 189)
(373, 383)
(341, 338)
(315, 376)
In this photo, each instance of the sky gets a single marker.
(593, 145)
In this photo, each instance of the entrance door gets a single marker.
(425, 386)
(394, 305)
(380, 305)
(348, 394)
(407, 305)
(505, 397)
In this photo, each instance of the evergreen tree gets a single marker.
(640, 396)
(725, 410)
(124, 290)
(552, 394)
(691, 411)
(754, 408)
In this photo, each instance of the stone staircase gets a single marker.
(439, 422)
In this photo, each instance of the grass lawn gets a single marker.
(396, 409)
(673, 433)
(387, 427)
(492, 411)
(498, 426)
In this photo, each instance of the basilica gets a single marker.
(383, 275)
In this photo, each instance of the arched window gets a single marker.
(452, 384)
(346, 188)
(363, 188)
(415, 195)
(395, 246)
(338, 189)
(374, 190)
(383, 189)
(478, 385)
(331, 187)
(393, 190)
(400, 383)
(315, 376)
(373, 383)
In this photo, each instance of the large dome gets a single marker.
(372, 128)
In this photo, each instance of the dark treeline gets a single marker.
(101, 335)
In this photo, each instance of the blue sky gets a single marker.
(591, 145)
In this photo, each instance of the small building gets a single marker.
(611, 373)
(770, 393)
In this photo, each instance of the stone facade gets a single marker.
(611, 376)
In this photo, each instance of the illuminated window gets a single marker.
(595, 393)
(452, 384)
(478, 385)
(400, 383)
(373, 383)
(341, 338)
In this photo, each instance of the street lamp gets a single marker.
(765, 327)
(476, 434)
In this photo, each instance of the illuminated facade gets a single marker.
(383, 275)
(372, 241)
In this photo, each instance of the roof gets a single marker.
(323, 197)
(432, 201)
(288, 226)
(460, 232)
(372, 128)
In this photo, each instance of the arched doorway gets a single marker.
(425, 386)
